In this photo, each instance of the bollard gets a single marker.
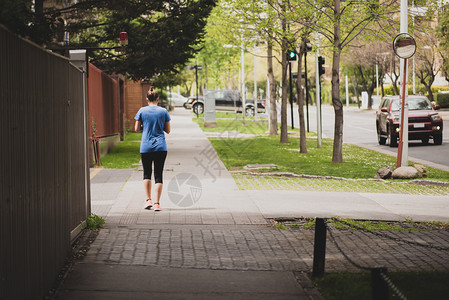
(319, 248)
(378, 285)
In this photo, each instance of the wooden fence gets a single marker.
(45, 185)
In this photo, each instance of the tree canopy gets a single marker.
(161, 33)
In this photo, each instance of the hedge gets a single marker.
(443, 100)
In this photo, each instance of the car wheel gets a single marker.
(382, 140)
(392, 139)
(198, 108)
(438, 139)
(249, 111)
(425, 140)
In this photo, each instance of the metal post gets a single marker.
(413, 26)
(291, 92)
(319, 248)
(318, 95)
(404, 112)
(402, 131)
(255, 86)
(378, 285)
(197, 89)
(267, 103)
(347, 91)
(307, 89)
(243, 82)
(377, 81)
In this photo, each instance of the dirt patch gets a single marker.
(79, 250)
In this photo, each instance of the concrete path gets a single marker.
(213, 241)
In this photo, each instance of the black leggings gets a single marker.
(147, 161)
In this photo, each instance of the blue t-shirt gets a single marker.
(153, 119)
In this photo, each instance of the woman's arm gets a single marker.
(167, 127)
(137, 126)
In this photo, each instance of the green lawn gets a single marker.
(358, 162)
(356, 286)
(264, 149)
(125, 154)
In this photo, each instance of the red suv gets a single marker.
(423, 120)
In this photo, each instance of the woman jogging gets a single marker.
(153, 148)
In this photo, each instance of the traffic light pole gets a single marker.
(318, 94)
(291, 92)
(307, 89)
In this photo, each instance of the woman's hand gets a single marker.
(167, 128)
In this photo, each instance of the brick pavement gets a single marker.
(226, 229)
(256, 247)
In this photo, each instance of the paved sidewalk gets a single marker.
(213, 241)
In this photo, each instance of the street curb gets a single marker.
(289, 174)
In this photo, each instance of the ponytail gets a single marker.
(152, 95)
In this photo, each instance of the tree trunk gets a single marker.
(429, 91)
(284, 133)
(273, 108)
(39, 8)
(337, 154)
(300, 96)
(395, 87)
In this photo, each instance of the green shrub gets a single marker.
(443, 100)
(95, 222)
(436, 89)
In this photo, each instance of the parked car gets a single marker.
(424, 122)
(176, 99)
(226, 100)
(190, 100)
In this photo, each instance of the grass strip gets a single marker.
(259, 182)
(414, 285)
(125, 154)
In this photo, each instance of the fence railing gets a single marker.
(381, 283)
(44, 187)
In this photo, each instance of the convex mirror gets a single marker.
(404, 45)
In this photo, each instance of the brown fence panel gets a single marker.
(103, 102)
(44, 182)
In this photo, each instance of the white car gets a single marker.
(176, 99)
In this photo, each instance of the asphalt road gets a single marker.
(360, 129)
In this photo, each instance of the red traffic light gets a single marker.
(123, 39)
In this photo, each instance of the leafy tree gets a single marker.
(161, 32)
(18, 16)
(427, 65)
(363, 59)
(340, 23)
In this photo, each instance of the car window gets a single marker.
(228, 96)
(219, 95)
(382, 103)
(395, 106)
(419, 104)
(413, 104)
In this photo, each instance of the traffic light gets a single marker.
(291, 55)
(320, 65)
